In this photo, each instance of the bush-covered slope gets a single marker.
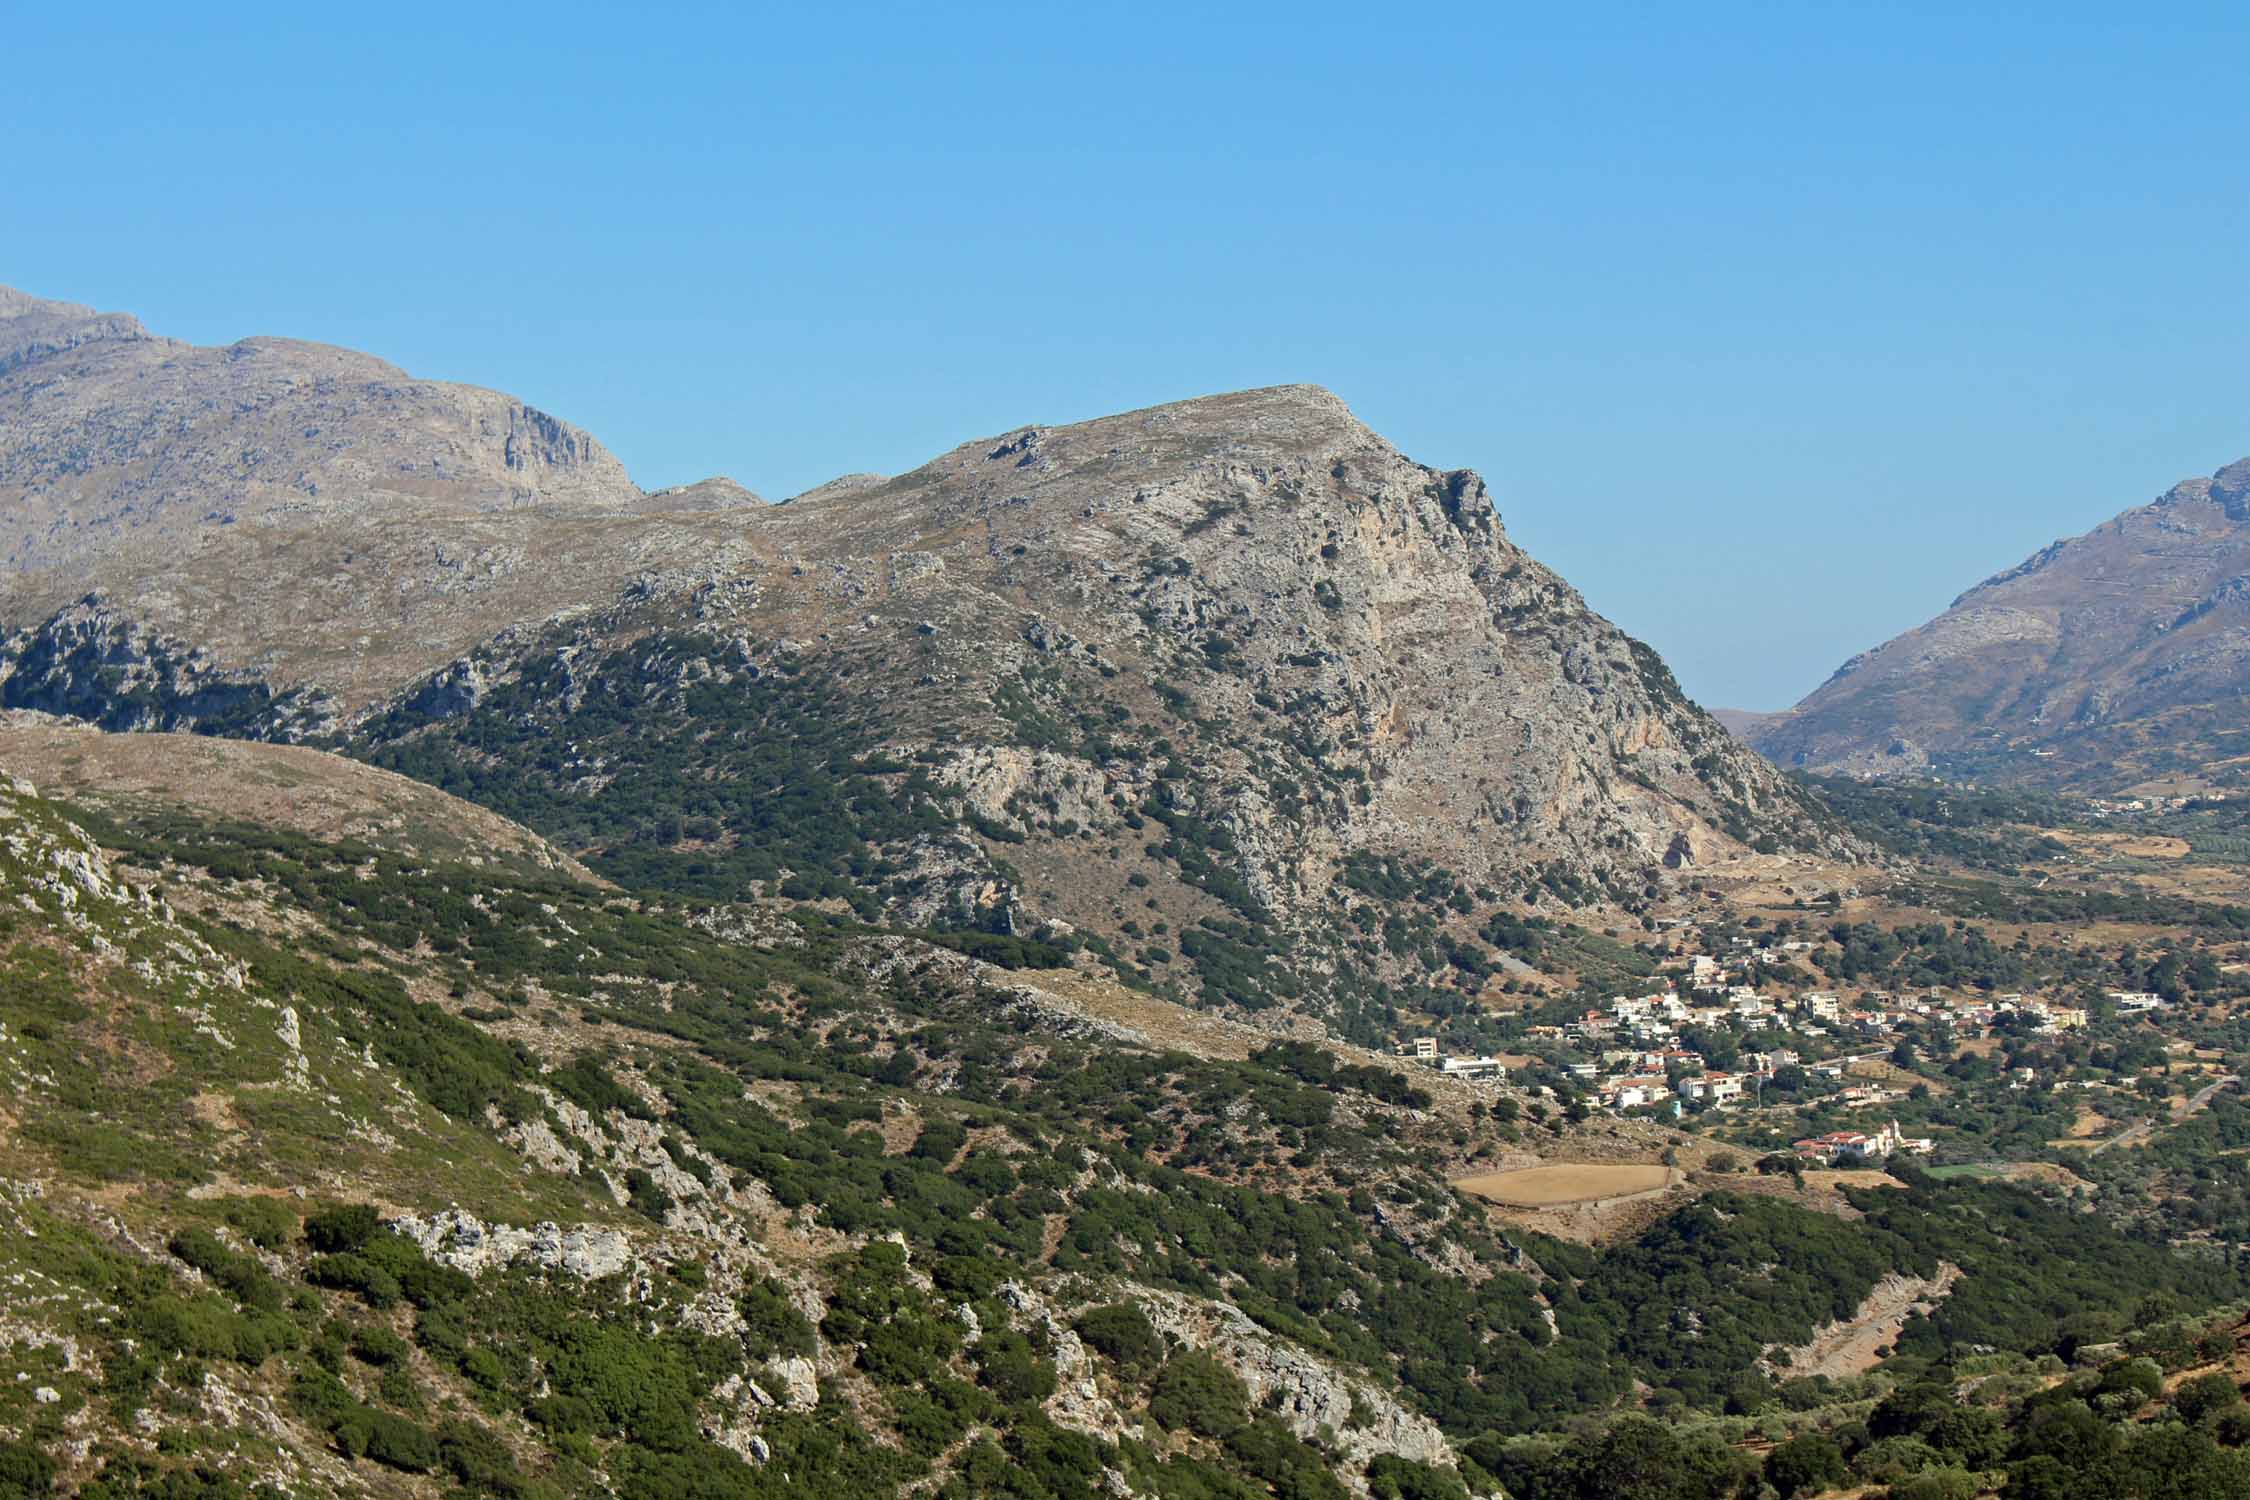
(328, 1167)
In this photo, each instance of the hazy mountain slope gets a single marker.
(2100, 661)
(306, 512)
(1742, 723)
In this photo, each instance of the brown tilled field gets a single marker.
(1573, 1182)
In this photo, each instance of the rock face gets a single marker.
(110, 432)
(1309, 1395)
(2098, 662)
(1336, 607)
(92, 662)
(1337, 649)
(466, 1243)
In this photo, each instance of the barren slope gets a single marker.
(308, 512)
(2098, 662)
(303, 790)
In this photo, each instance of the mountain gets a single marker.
(2100, 662)
(309, 513)
(1215, 690)
(1742, 723)
(894, 992)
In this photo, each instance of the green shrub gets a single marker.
(772, 1327)
(268, 1223)
(1939, 1484)
(1195, 1393)
(377, 1345)
(342, 1229)
(1123, 1333)
(1887, 1460)
(1009, 1368)
(1805, 1465)
(375, 1286)
(646, 1197)
(1390, 1477)
(2205, 1397)
(26, 1473)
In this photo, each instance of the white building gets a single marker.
(1718, 1088)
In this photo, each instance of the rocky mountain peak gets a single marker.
(1216, 661)
(32, 328)
(1041, 490)
(2230, 490)
(211, 486)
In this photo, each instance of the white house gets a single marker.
(1718, 1088)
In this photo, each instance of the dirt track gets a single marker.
(1849, 1348)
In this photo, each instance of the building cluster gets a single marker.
(1861, 1146)
(1710, 1040)
(2135, 1002)
(1424, 1049)
(1644, 1051)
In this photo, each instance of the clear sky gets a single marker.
(1773, 326)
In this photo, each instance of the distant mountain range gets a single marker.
(2110, 660)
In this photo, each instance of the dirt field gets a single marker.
(1575, 1182)
(2123, 845)
(1858, 1177)
(2046, 1172)
(1875, 1070)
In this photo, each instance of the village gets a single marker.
(1726, 1047)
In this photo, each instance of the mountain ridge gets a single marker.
(2101, 661)
(1214, 661)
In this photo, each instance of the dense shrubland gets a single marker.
(1290, 1185)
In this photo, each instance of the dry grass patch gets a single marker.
(1832, 1179)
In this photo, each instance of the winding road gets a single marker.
(2133, 1135)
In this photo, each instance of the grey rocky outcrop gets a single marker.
(460, 1239)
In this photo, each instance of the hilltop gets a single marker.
(289, 787)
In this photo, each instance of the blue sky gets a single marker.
(1772, 326)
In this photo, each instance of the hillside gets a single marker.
(353, 1171)
(283, 787)
(1211, 683)
(2102, 662)
(893, 993)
